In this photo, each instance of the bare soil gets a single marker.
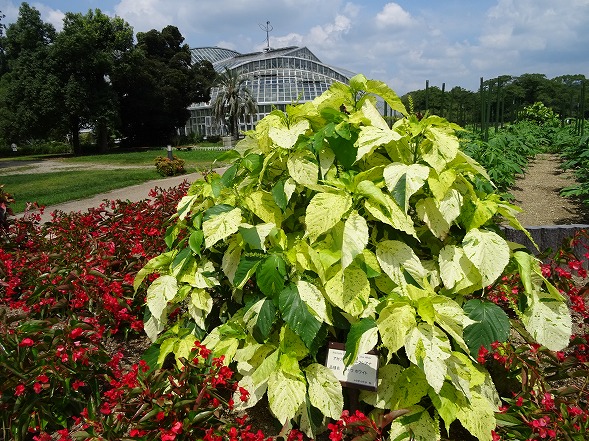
(538, 194)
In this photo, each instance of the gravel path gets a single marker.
(537, 193)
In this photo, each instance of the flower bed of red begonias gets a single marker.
(66, 294)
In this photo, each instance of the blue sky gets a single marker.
(403, 43)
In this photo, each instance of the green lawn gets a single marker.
(54, 188)
(199, 158)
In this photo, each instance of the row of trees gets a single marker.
(506, 96)
(95, 74)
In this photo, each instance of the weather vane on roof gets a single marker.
(267, 28)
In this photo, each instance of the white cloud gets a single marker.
(144, 15)
(329, 34)
(393, 16)
(401, 41)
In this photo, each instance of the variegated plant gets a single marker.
(331, 225)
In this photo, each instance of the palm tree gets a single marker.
(234, 100)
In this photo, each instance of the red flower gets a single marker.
(482, 354)
(37, 387)
(548, 401)
(77, 384)
(177, 427)
(76, 332)
(26, 343)
(19, 390)
(244, 394)
(105, 409)
(167, 436)
(43, 378)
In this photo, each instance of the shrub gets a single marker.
(50, 371)
(169, 167)
(185, 401)
(331, 225)
(540, 114)
(82, 264)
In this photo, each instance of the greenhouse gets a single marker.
(275, 77)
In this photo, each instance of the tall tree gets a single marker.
(157, 85)
(85, 52)
(28, 87)
(233, 101)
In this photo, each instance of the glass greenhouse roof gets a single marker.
(276, 76)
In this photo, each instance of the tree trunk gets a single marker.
(102, 137)
(234, 128)
(75, 128)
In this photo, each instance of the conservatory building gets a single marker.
(275, 78)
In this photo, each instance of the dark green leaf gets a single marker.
(182, 259)
(245, 269)
(344, 150)
(151, 355)
(353, 341)
(195, 241)
(296, 314)
(264, 322)
(493, 325)
(279, 195)
(400, 191)
(229, 176)
(253, 163)
(270, 275)
(228, 156)
(251, 236)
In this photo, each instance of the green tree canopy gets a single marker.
(156, 86)
(28, 88)
(85, 53)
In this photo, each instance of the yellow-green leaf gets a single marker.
(404, 180)
(324, 211)
(428, 347)
(395, 257)
(200, 306)
(548, 320)
(325, 391)
(160, 292)
(285, 395)
(457, 271)
(221, 226)
(303, 168)
(394, 322)
(397, 388)
(355, 238)
(286, 137)
(416, 425)
(262, 204)
(350, 290)
(478, 417)
(314, 300)
(439, 215)
(488, 251)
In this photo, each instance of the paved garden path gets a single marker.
(133, 193)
